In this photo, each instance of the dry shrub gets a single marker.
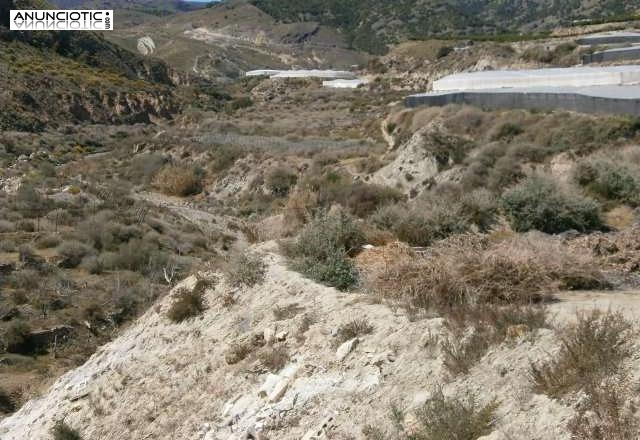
(7, 402)
(62, 431)
(298, 210)
(236, 353)
(593, 349)
(453, 418)
(179, 181)
(274, 358)
(307, 320)
(239, 350)
(608, 414)
(246, 270)
(470, 269)
(353, 329)
(488, 325)
(441, 418)
(280, 180)
(187, 305)
(486, 290)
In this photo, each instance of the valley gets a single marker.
(200, 239)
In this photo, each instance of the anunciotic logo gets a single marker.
(61, 20)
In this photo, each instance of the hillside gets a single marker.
(95, 80)
(370, 24)
(163, 7)
(223, 41)
(191, 253)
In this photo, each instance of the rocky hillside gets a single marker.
(286, 359)
(93, 80)
(372, 23)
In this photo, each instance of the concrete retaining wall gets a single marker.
(535, 101)
(627, 53)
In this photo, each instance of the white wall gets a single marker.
(559, 77)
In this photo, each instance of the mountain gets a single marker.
(159, 7)
(227, 38)
(370, 24)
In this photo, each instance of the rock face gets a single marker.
(146, 46)
(163, 380)
(346, 348)
(427, 157)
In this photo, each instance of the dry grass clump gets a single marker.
(592, 350)
(187, 305)
(62, 431)
(178, 180)
(246, 270)
(353, 329)
(274, 358)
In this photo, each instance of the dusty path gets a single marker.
(625, 301)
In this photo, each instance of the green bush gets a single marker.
(610, 180)
(541, 204)
(321, 250)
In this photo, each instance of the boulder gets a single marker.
(343, 351)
